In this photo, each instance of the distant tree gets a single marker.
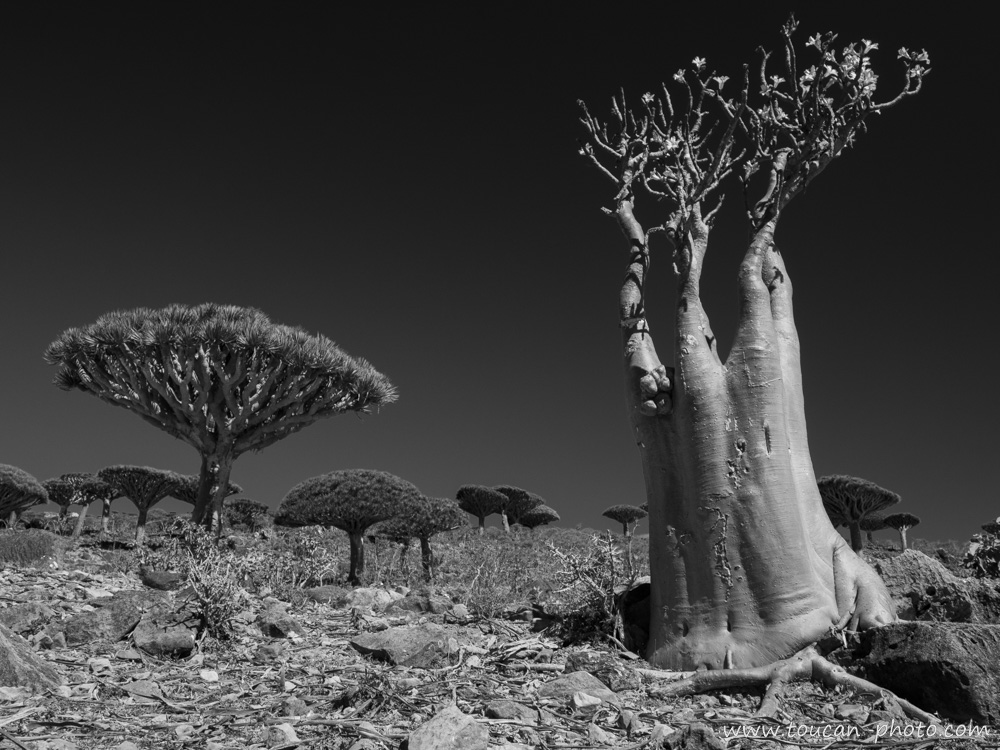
(87, 489)
(421, 518)
(351, 500)
(480, 501)
(992, 527)
(539, 516)
(144, 486)
(244, 513)
(627, 515)
(517, 503)
(871, 523)
(222, 378)
(18, 492)
(60, 492)
(902, 522)
(848, 500)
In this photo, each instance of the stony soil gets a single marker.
(314, 689)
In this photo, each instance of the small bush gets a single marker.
(34, 548)
(982, 559)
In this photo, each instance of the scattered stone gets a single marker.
(450, 729)
(505, 709)
(275, 621)
(271, 652)
(426, 646)
(694, 737)
(460, 612)
(26, 618)
(326, 594)
(365, 599)
(295, 707)
(608, 668)
(161, 580)
(563, 688)
(169, 631)
(947, 668)
(20, 666)
(112, 621)
(281, 734)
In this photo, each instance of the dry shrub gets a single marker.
(33, 548)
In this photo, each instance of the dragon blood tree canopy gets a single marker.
(19, 491)
(225, 379)
(212, 372)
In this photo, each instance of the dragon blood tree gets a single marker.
(901, 522)
(746, 567)
(351, 500)
(144, 486)
(87, 489)
(539, 516)
(222, 378)
(628, 516)
(18, 492)
(480, 501)
(421, 518)
(60, 492)
(515, 504)
(849, 500)
(870, 524)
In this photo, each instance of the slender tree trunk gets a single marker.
(78, 529)
(426, 557)
(902, 540)
(482, 524)
(404, 548)
(357, 541)
(745, 565)
(505, 522)
(105, 516)
(140, 526)
(857, 541)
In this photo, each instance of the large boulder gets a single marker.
(952, 669)
(113, 619)
(924, 589)
(20, 666)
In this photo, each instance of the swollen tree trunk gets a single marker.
(746, 567)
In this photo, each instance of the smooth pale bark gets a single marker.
(746, 567)
(78, 529)
(140, 525)
(105, 515)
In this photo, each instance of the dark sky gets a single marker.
(407, 183)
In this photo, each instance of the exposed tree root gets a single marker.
(806, 664)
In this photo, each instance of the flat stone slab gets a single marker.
(565, 687)
(425, 646)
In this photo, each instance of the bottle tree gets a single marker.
(224, 379)
(746, 568)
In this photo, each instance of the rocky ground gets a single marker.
(120, 664)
